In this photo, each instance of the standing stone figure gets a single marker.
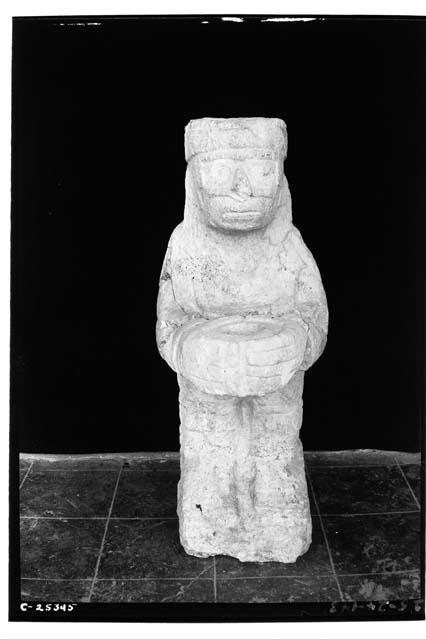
(241, 315)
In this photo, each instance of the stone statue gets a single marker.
(241, 315)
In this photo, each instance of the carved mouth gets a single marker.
(241, 215)
(249, 208)
(243, 208)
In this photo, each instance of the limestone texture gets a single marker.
(242, 314)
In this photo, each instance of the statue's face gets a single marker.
(238, 188)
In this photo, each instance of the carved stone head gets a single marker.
(237, 169)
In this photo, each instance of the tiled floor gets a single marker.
(98, 529)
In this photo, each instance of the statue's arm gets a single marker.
(172, 322)
(311, 304)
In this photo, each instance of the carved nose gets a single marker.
(241, 184)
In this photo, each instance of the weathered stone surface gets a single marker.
(241, 315)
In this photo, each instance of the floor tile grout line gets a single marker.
(214, 579)
(153, 579)
(325, 538)
(25, 476)
(321, 575)
(221, 578)
(98, 561)
(409, 486)
(57, 579)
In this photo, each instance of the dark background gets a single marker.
(98, 186)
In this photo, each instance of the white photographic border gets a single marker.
(247, 631)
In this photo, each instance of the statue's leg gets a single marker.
(283, 522)
(207, 508)
(243, 489)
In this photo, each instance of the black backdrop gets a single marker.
(98, 186)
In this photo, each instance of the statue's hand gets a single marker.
(279, 359)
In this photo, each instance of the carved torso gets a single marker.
(217, 284)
